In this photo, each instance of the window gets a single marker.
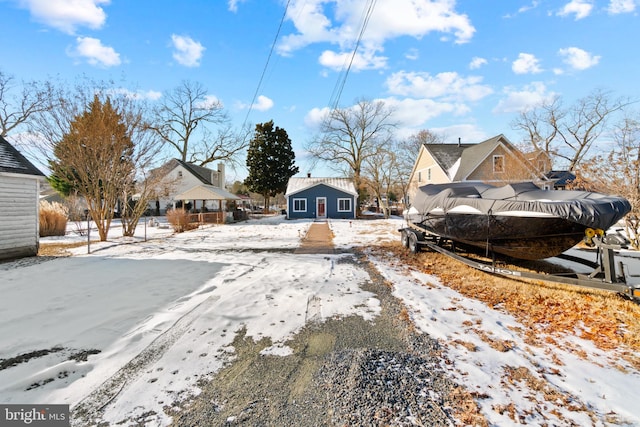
(299, 205)
(344, 205)
(498, 164)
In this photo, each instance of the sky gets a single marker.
(154, 339)
(462, 69)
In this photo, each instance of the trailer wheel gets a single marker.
(404, 238)
(414, 247)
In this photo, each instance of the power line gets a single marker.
(264, 70)
(342, 78)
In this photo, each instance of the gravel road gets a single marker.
(343, 372)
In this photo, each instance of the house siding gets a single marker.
(514, 169)
(332, 195)
(19, 220)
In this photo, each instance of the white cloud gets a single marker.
(210, 101)
(188, 52)
(621, 6)
(264, 104)
(578, 59)
(413, 113)
(339, 22)
(361, 61)
(477, 62)
(412, 54)
(526, 64)
(233, 4)
(95, 52)
(580, 8)
(517, 100)
(67, 15)
(448, 85)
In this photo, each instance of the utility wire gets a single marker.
(342, 78)
(264, 70)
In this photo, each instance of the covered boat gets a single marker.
(519, 220)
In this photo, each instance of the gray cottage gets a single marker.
(19, 204)
(321, 198)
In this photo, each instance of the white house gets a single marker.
(183, 182)
(19, 204)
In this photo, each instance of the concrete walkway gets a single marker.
(318, 240)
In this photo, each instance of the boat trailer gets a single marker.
(604, 275)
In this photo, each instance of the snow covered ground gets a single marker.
(143, 321)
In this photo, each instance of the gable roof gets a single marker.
(12, 161)
(203, 174)
(476, 153)
(296, 185)
(446, 155)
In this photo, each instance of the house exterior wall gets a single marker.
(311, 194)
(19, 216)
(513, 169)
(426, 171)
(177, 181)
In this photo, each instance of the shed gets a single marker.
(19, 204)
(321, 198)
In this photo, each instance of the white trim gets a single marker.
(320, 200)
(350, 205)
(293, 205)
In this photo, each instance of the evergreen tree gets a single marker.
(270, 161)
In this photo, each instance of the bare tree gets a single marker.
(569, 133)
(622, 175)
(349, 136)
(188, 108)
(379, 170)
(406, 153)
(19, 102)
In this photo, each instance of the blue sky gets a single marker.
(463, 69)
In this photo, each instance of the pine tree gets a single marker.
(270, 161)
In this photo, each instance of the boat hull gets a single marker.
(518, 237)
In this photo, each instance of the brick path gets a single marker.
(318, 240)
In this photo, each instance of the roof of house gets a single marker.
(446, 155)
(561, 177)
(200, 172)
(296, 185)
(13, 162)
(475, 154)
(206, 192)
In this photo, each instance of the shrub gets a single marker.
(53, 219)
(179, 220)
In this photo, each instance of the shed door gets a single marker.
(321, 207)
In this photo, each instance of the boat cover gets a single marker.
(590, 209)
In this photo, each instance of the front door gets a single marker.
(321, 207)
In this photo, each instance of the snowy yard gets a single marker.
(143, 321)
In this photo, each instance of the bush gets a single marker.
(53, 219)
(179, 220)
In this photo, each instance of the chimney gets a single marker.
(308, 174)
(221, 177)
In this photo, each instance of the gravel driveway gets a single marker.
(345, 371)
